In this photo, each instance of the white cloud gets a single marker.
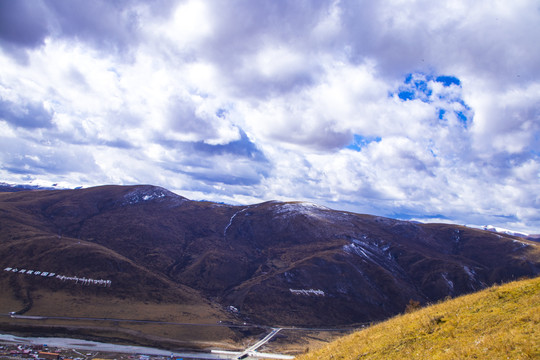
(507, 120)
(248, 101)
(329, 25)
(276, 61)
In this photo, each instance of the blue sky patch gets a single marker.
(462, 117)
(406, 95)
(418, 86)
(359, 142)
(415, 86)
(448, 80)
(441, 114)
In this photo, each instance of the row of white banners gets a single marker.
(307, 292)
(76, 279)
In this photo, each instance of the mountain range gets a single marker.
(273, 263)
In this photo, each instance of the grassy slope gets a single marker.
(502, 322)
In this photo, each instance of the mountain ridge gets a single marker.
(289, 263)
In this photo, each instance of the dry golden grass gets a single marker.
(502, 322)
(169, 335)
(294, 341)
(48, 303)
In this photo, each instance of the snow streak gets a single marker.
(231, 220)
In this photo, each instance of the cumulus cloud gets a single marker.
(408, 109)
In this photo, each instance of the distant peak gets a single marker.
(292, 209)
(307, 204)
(313, 205)
(300, 206)
(144, 193)
(504, 231)
(5, 187)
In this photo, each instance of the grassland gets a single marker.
(502, 322)
(170, 334)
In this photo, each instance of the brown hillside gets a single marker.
(277, 263)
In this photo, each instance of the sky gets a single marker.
(420, 110)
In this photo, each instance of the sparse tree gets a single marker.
(413, 305)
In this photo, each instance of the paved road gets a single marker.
(29, 317)
(261, 342)
(251, 351)
(358, 327)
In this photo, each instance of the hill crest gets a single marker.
(496, 323)
(270, 261)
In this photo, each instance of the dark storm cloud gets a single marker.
(29, 115)
(106, 25)
(22, 23)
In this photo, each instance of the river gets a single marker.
(68, 343)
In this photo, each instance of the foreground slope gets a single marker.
(274, 263)
(502, 322)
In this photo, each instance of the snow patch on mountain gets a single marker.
(470, 273)
(300, 207)
(231, 221)
(449, 282)
(504, 231)
(149, 193)
(375, 251)
(5, 187)
(356, 250)
(521, 244)
(319, 212)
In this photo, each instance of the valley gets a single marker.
(200, 275)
